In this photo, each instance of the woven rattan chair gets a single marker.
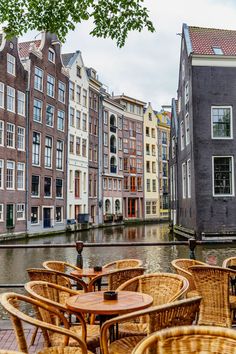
(163, 287)
(189, 340)
(50, 294)
(16, 304)
(124, 263)
(228, 262)
(60, 266)
(181, 266)
(9, 352)
(116, 277)
(178, 313)
(212, 284)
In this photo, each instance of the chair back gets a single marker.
(228, 262)
(212, 284)
(124, 263)
(163, 287)
(55, 265)
(189, 340)
(117, 277)
(17, 306)
(181, 267)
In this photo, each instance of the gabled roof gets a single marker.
(67, 57)
(25, 46)
(203, 41)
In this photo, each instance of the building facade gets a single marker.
(133, 157)
(47, 134)
(206, 129)
(13, 131)
(77, 185)
(112, 148)
(152, 197)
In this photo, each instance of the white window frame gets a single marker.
(2, 97)
(51, 83)
(53, 115)
(39, 164)
(61, 221)
(186, 92)
(36, 223)
(21, 103)
(184, 181)
(64, 117)
(182, 145)
(2, 174)
(13, 134)
(2, 133)
(189, 178)
(1, 212)
(231, 123)
(187, 129)
(50, 149)
(61, 90)
(13, 175)
(23, 176)
(22, 139)
(213, 180)
(11, 96)
(40, 88)
(11, 63)
(20, 207)
(38, 195)
(52, 51)
(40, 108)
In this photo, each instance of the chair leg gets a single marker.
(33, 336)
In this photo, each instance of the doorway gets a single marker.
(131, 208)
(47, 217)
(10, 216)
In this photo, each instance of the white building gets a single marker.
(77, 186)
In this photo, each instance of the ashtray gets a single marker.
(97, 269)
(110, 295)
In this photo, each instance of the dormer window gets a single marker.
(51, 55)
(78, 71)
(217, 50)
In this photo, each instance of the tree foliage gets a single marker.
(111, 18)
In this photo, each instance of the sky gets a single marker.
(146, 68)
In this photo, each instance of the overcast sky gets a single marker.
(147, 67)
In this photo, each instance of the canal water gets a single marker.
(14, 262)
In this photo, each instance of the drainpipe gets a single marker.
(100, 160)
(27, 169)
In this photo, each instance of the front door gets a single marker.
(10, 216)
(77, 211)
(131, 208)
(46, 217)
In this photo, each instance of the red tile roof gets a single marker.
(204, 39)
(24, 47)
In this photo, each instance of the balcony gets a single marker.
(113, 149)
(113, 128)
(113, 169)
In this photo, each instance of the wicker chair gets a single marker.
(60, 266)
(124, 263)
(50, 293)
(178, 313)
(15, 305)
(212, 284)
(189, 340)
(181, 266)
(116, 277)
(3, 351)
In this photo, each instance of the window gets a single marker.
(150, 116)
(84, 122)
(126, 164)
(21, 103)
(217, 50)
(37, 110)
(36, 149)
(77, 184)
(59, 155)
(10, 99)
(105, 117)
(71, 91)
(132, 184)
(148, 185)
(105, 160)
(47, 186)
(78, 71)
(35, 186)
(58, 188)
(72, 117)
(164, 138)
(90, 125)
(10, 182)
(49, 115)
(120, 123)
(153, 150)
(164, 153)
(183, 69)
(38, 79)
(147, 131)
(154, 185)
(50, 85)
(78, 118)
(60, 120)
(182, 135)
(90, 154)
(20, 211)
(154, 207)
(186, 93)
(72, 142)
(48, 152)
(109, 183)
(120, 143)
(51, 55)
(1, 213)
(34, 215)
(140, 183)
(20, 138)
(105, 139)
(20, 178)
(223, 184)
(153, 167)
(61, 92)
(189, 178)
(84, 98)
(84, 147)
(1, 174)
(184, 180)
(1, 95)
(58, 214)
(173, 147)
(120, 163)
(221, 122)
(95, 153)
(90, 185)
(78, 94)
(95, 102)
(77, 146)
(10, 135)
(153, 133)
(11, 64)
(148, 207)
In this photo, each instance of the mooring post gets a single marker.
(79, 248)
(192, 245)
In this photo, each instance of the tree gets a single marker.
(111, 18)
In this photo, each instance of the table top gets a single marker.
(89, 272)
(127, 301)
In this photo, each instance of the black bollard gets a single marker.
(192, 245)
(79, 248)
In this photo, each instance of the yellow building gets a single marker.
(152, 198)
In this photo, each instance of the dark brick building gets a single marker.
(206, 146)
(13, 132)
(47, 134)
